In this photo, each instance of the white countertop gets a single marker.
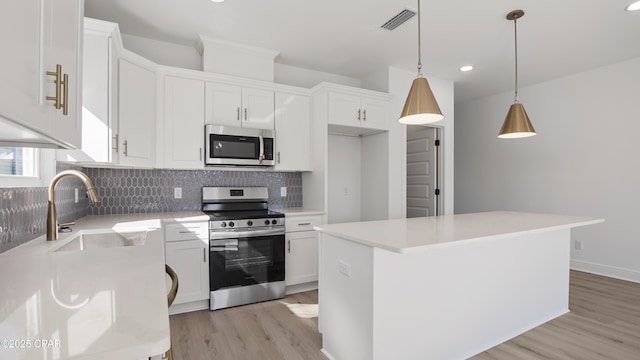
(417, 234)
(299, 211)
(107, 303)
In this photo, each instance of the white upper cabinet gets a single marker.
(293, 132)
(40, 82)
(357, 111)
(183, 123)
(239, 106)
(136, 112)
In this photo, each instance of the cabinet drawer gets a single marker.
(187, 231)
(301, 223)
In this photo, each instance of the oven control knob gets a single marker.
(274, 221)
(223, 224)
(267, 222)
(231, 224)
(249, 223)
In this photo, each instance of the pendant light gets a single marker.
(516, 124)
(421, 106)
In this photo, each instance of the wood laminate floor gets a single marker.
(604, 323)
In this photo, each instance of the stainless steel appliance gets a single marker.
(246, 246)
(228, 145)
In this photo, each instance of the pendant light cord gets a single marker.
(515, 31)
(419, 47)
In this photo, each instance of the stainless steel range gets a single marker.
(246, 246)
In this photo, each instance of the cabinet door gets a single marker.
(190, 260)
(223, 104)
(183, 123)
(257, 108)
(62, 36)
(97, 126)
(301, 257)
(344, 110)
(293, 132)
(374, 114)
(136, 114)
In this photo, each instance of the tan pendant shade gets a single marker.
(516, 124)
(421, 106)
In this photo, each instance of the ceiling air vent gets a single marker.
(398, 19)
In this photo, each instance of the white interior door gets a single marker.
(421, 171)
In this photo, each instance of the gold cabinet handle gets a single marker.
(65, 94)
(278, 157)
(245, 114)
(58, 82)
(126, 148)
(204, 255)
(359, 114)
(364, 114)
(238, 113)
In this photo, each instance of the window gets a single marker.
(26, 167)
(17, 161)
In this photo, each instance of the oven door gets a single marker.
(246, 258)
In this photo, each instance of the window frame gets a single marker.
(46, 168)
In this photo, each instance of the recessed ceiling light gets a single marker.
(217, 0)
(466, 68)
(633, 6)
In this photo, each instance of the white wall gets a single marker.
(374, 167)
(399, 84)
(582, 162)
(344, 183)
(296, 76)
(164, 53)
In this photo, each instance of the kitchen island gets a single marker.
(444, 287)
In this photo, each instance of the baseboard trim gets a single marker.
(605, 270)
(188, 307)
(292, 289)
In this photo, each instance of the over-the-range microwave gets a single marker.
(229, 145)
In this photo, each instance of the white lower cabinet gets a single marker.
(301, 260)
(187, 252)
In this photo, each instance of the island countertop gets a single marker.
(103, 303)
(418, 234)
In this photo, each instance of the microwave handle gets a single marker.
(261, 149)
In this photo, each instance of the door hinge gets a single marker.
(437, 192)
(437, 142)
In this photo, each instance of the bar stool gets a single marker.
(171, 296)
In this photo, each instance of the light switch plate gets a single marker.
(344, 268)
(177, 193)
(283, 191)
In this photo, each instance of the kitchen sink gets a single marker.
(99, 240)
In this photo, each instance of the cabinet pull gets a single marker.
(289, 246)
(364, 115)
(204, 255)
(115, 142)
(359, 114)
(278, 157)
(304, 224)
(188, 232)
(126, 148)
(65, 94)
(200, 154)
(245, 114)
(58, 82)
(238, 113)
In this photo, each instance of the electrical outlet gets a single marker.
(579, 245)
(283, 191)
(76, 195)
(344, 268)
(177, 193)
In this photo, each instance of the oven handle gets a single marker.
(216, 235)
(261, 157)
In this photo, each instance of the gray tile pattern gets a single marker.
(23, 211)
(128, 191)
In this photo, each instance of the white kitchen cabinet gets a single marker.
(239, 106)
(136, 111)
(293, 132)
(42, 37)
(301, 260)
(183, 123)
(347, 109)
(187, 252)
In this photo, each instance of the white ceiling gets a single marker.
(555, 38)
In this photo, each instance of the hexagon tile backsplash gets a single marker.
(128, 191)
